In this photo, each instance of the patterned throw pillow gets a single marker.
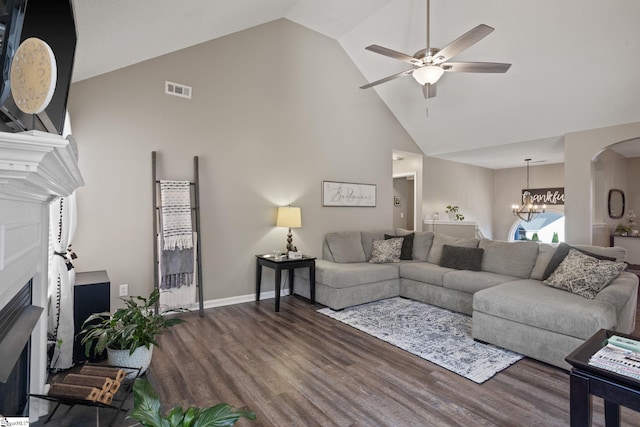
(386, 250)
(583, 274)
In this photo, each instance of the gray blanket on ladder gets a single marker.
(176, 267)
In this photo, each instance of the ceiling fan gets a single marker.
(429, 64)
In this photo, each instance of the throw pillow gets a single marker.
(461, 258)
(386, 250)
(561, 252)
(406, 252)
(583, 274)
(440, 240)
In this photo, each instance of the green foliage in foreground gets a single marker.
(146, 411)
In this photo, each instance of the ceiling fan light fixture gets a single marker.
(428, 75)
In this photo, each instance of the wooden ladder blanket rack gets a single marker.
(195, 216)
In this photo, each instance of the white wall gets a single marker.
(507, 188)
(275, 110)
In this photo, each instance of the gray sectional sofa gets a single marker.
(510, 304)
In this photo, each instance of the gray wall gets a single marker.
(451, 183)
(275, 110)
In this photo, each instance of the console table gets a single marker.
(283, 263)
(587, 380)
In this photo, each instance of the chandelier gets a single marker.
(528, 210)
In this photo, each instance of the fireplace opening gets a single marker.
(17, 320)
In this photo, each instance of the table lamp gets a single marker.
(290, 217)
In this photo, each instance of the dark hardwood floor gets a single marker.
(300, 368)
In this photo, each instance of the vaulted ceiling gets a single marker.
(575, 62)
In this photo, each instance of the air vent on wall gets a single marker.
(177, 89)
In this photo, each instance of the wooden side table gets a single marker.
(278, 264)
(587, 380)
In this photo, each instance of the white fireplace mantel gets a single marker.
(38, 166)
(35, 169)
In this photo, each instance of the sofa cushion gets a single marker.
(461, 258)
(509, 258)
(406, 253)
(604, 252)
(388, 250)
(422, 242)
(346, 246)
(424, 272)
(563, 250)
(367, 238)
(439, 240)
(471, 282)
(584, 275)
(561, 312)
(545, 252)
(346, 275)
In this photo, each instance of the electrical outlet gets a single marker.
(124, 290)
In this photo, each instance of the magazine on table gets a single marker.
(617, 359)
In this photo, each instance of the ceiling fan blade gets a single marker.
(476, 67)
(429, 91)
(393, 54)
(463, 42)
(386, 79)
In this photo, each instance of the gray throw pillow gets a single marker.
(584, 275)
(439, 240)
(407, 245)
(461, 258)
(384, 251)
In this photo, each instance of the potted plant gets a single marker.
(146, 410)
(622, 230)
(129, 334)
(454, 213)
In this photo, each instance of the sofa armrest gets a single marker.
(622, 293)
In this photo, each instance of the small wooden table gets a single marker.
(278, 264)
(587, 380)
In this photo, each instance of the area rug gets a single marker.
(440, 336)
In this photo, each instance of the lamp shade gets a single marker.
(429, 74)
(289, 216)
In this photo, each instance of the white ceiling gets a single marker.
(575, 62)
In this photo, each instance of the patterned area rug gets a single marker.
(432, 333)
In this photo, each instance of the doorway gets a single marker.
(404, 190)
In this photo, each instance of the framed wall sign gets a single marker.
(348, 194)
(545, 196)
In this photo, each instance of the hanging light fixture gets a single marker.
(528, 210)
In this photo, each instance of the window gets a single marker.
(542, 228)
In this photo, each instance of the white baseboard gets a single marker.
(238, 299)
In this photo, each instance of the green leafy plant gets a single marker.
(128, 328)
(622, 229)
(555, 238)
(456, 211)
(535, 237)
(146, 410)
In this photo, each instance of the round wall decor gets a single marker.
(33, 75)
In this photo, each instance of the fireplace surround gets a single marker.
(35, 168)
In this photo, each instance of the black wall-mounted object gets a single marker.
(49, 20)
(615, 203)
